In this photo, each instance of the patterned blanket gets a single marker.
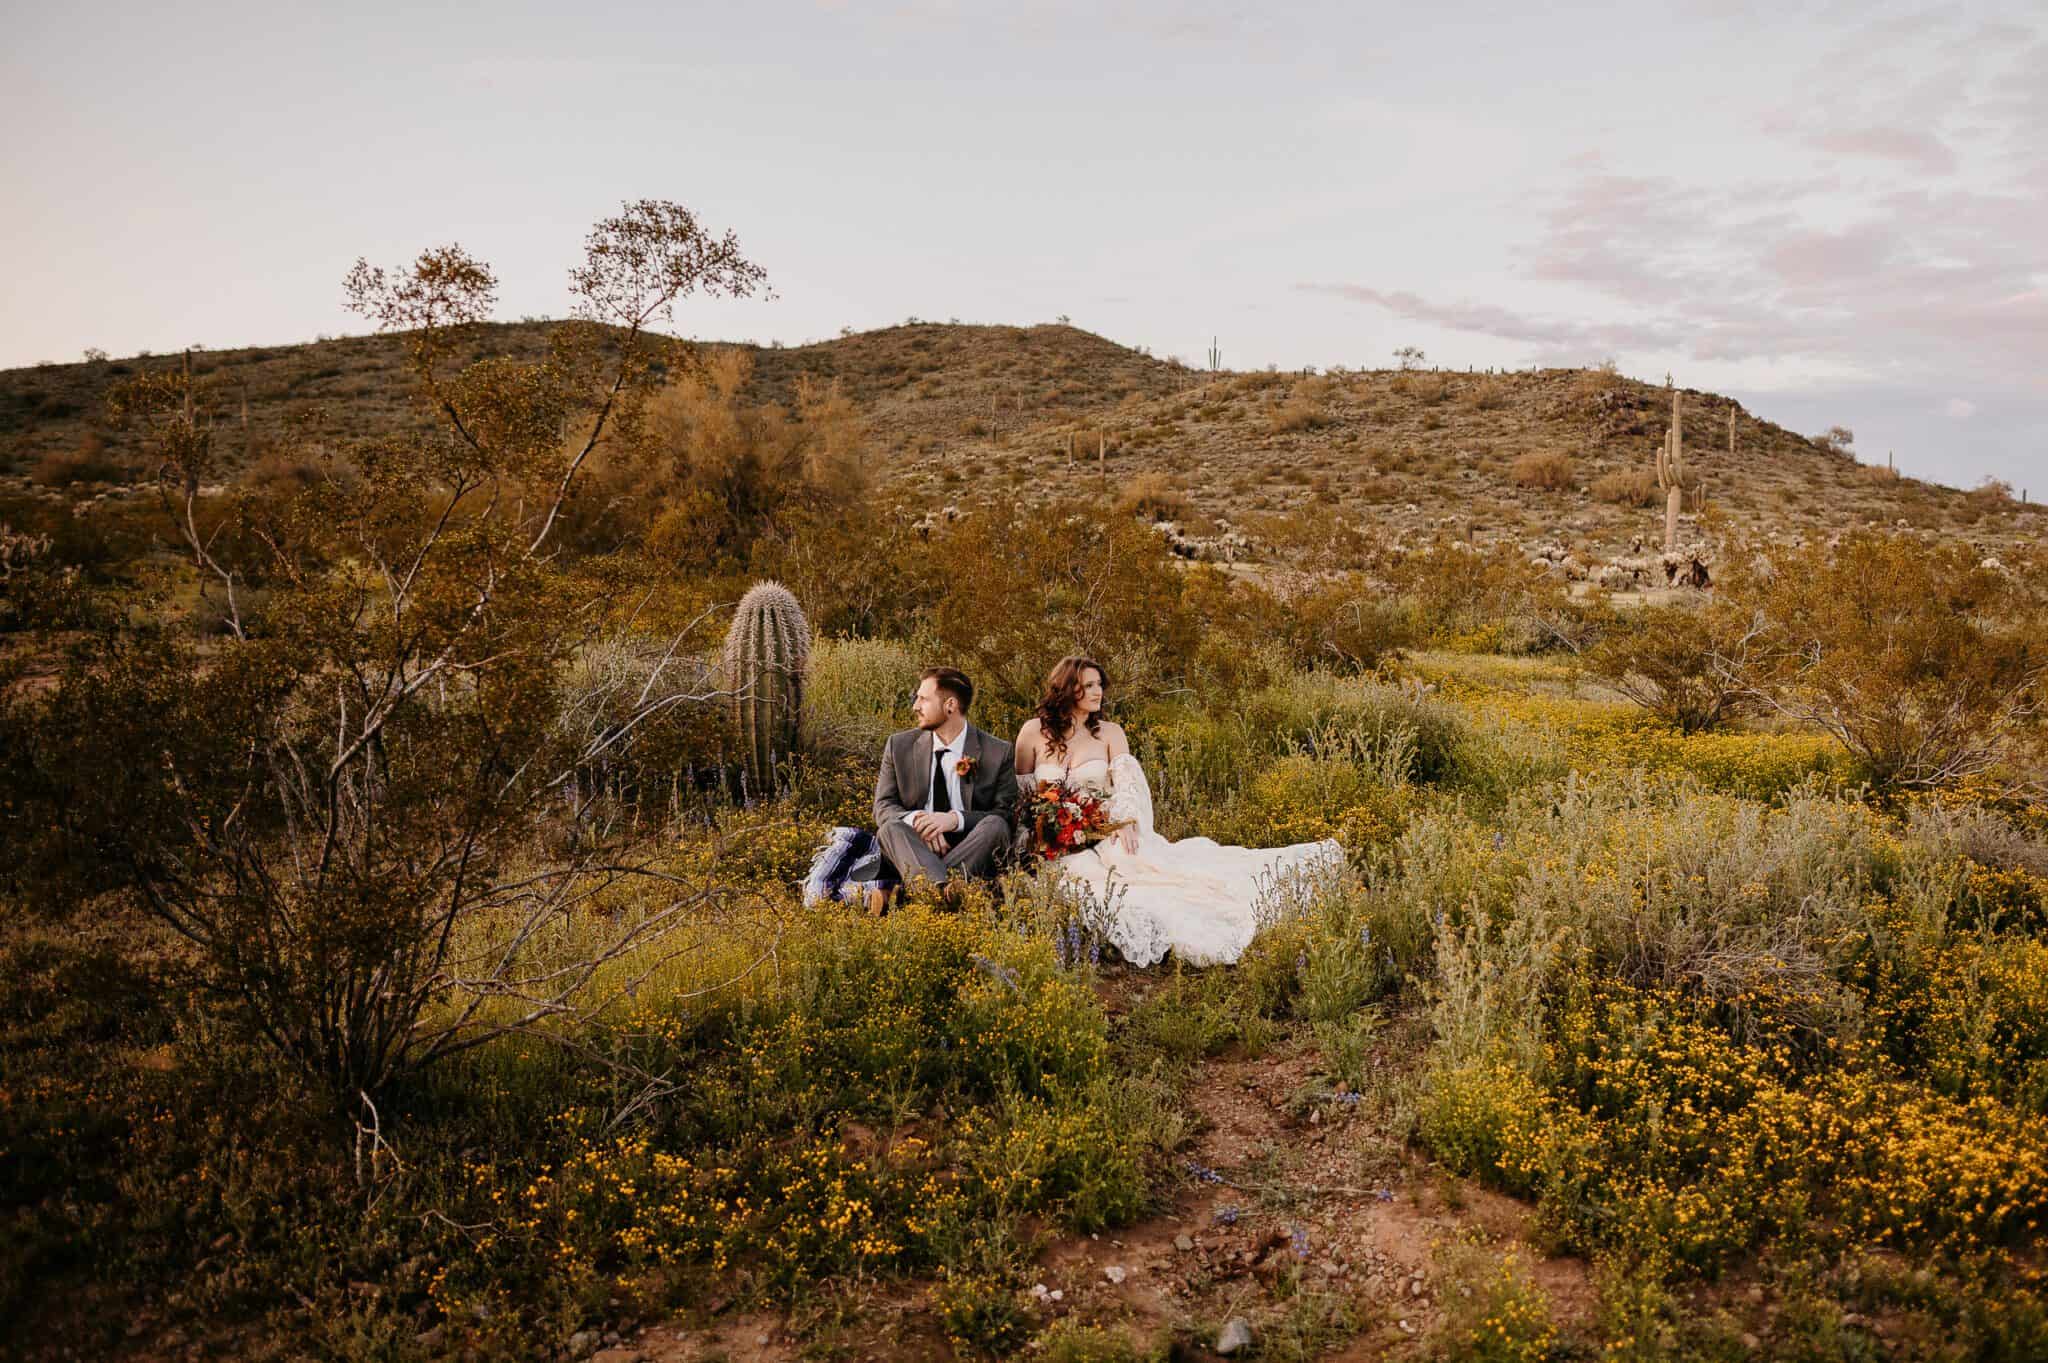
(847, 866)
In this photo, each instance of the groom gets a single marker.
(943, 800)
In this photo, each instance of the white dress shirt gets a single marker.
(949, 761)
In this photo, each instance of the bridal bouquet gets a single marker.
(1063, 819)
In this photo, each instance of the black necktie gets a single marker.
(942, 798)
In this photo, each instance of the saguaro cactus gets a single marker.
(767, 654)
(1671, 473)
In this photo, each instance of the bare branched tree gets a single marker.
(355, 853)
(179, 421)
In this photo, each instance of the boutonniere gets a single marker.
(964, 767)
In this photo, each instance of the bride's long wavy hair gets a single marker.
(1060, 696)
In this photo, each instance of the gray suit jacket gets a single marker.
(990, 790)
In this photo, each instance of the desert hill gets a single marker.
(958, 412)
(923, 387)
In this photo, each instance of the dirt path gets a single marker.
(1295, 1210)
(1292, 1190)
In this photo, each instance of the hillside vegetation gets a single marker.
(960, 413)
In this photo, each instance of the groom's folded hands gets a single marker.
(932, 828)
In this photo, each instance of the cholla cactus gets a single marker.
(767, 653)
(19, 549)
(1671, 473)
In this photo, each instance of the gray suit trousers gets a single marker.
(971, 854)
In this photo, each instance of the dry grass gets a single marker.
(1298, 413)
(282, 472)
(1084, 443)
(1602, 378)
(1154, 496)
(1627, 487)
(1424, 388)
(1991, 495)
(89, 462)
(1546, 469)
(1488, 396)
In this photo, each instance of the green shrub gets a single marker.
(864, 684)
(1347, 625)
(1683, 665)
(1638, 1313)
(1305, 798)
(1916, 659)
(1186, 1020)
(1654, 886)
(1012, 589)
(1330, 946)
(1489, 1120)
(1458, 590)
(1505, 1318)
(1069, 1341)
(980, 1315)
(1323, 714)
(1074, 1160)
(1985, 1026)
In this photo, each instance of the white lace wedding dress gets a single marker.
(1196, 897)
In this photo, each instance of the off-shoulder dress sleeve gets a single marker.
(1130, 794)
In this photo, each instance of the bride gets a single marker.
(1195, 897)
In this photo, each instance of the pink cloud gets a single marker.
(1941, 284)
(1912, 147)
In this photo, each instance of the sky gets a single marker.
(1838, 213)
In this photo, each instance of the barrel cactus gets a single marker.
(767, 653)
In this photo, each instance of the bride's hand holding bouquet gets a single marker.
(1065, 819)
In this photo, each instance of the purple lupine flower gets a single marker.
(1384, 1194)
(1297, 1240)
(1227, 1215)
(995, 968)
